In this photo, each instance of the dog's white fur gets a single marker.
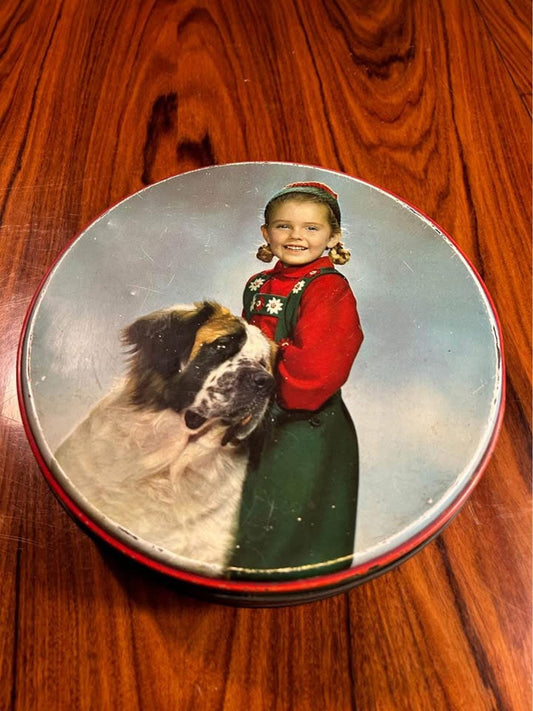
(171, 486)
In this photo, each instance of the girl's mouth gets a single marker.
(295, 248)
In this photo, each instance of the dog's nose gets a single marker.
(261, 379)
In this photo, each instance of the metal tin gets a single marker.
(426, 390)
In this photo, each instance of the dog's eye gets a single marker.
(221, 343)
(224, 347)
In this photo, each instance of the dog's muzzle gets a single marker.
(246, 396)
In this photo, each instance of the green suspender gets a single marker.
(284, 308)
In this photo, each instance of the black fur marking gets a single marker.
(194, 421)
(161, 342)
(183, 392)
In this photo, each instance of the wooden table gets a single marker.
(430, 100)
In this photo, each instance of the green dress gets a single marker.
(298, 509)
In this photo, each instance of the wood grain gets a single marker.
(430, 100)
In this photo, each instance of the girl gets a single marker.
(299, 500)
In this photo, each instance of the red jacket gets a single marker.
(317, 360)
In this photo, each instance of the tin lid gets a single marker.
(148, 403)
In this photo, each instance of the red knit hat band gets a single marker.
(319, 190)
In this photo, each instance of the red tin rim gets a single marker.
(357, 572)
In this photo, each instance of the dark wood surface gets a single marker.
(430, 99)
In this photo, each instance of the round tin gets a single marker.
(425, 392)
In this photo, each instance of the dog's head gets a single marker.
(202, 361)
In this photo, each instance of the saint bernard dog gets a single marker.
(164, 454)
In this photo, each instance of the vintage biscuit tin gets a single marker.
(148, 399)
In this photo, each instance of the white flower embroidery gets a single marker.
(256, 284)
(274, 306)
(299, 286)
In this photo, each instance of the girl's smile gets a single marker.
(299, 232)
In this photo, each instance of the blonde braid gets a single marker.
(339, 254)
(264, 253)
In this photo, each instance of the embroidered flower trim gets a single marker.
(284, 342)
(299, 286)
(274, 306)
(256, 284)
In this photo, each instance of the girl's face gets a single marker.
(299, 232)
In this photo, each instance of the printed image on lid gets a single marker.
(278, 429)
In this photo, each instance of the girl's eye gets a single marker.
(312, 228)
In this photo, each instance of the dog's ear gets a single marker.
(162, 341)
